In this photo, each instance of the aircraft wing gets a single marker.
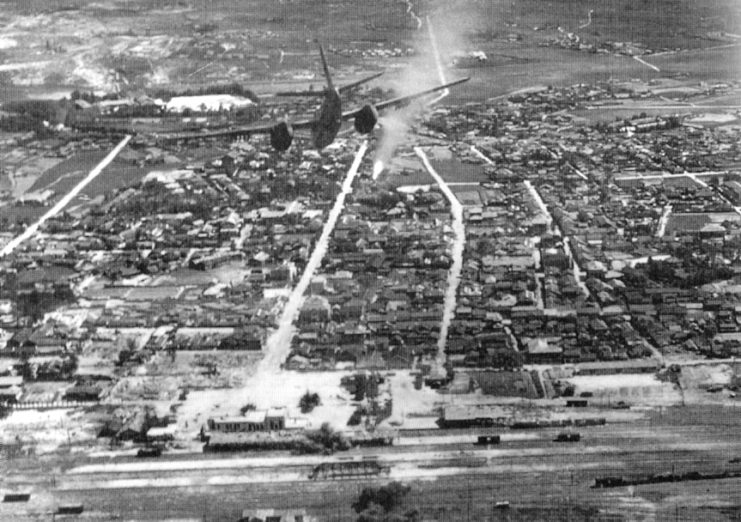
(401, 100)
(242, 130)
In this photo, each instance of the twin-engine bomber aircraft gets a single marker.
(325, 125)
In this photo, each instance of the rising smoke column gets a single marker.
(425, 71)
(394, 128)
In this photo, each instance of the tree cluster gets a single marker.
(30, 115)
(247, 407)
(234, 88)
(309, 401)
(699, 275)
(156, 198)
(325, 439)
(91, 97)
(384, 504)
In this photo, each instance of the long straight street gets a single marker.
(459, 242)
(279, 343)
(565, 240)
(59, 206)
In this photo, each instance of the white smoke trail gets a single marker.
(259, 388)
(396, 124)
(438, 62)
(410, 12)
(589, 20)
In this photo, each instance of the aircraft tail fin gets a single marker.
(326, 68)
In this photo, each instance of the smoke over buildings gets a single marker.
(435, 42)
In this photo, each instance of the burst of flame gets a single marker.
(377, 168)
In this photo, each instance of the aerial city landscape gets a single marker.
(371, 260)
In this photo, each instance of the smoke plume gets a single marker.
(425, 71)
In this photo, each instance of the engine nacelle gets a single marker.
(365, 119)
(281, 136)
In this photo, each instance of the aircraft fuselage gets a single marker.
(328, 119)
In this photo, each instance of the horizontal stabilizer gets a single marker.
(319, 92)
(360, 82)
(286, 94)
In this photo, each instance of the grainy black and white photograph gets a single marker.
(370, 260)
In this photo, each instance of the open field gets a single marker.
(204, 41)
(118, 174)
(455, 171)
(62, 177)
(335, 408)
(22, 168)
